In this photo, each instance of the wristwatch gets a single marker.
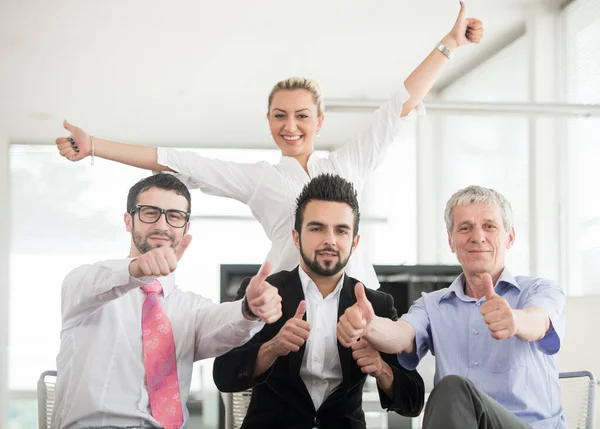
(440, 47)
(246, 309)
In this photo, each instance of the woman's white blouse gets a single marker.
(271, 190)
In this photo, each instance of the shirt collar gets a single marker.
(168, 283)
(307, 281)
(457, 287)
(290, 160)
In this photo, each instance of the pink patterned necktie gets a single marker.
(160, 361)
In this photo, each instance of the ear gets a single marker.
(355, 242)
(187, 228)
(451, 243)
(296, 237)
(128, 222)
(511, 238)
(320, 122)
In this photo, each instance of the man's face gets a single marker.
(148, 236)
(479, 238)
(325, 241)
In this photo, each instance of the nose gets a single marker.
(161, 223)
(477, 235)
(290, 124)
(329, 238)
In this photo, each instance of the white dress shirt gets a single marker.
(100, 365)
(271, 190)
(321, 370)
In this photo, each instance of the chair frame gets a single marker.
(591, 397)
(42, 398)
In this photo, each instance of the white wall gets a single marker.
(4, 276)
(581, 348)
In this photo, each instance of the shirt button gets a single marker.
(316, 420)
(476, 363)
(316, 358)
(476, 332)
(478, 303)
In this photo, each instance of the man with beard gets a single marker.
(130, 337)
(300, 375)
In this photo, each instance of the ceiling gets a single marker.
(198, 73)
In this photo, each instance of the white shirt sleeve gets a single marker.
(89, 287)
(213, 176)
(362, 155)
(221, 327)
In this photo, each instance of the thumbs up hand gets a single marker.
(465, 30)
(293, 334)
(263, 298)
(159, 261)
(75, 147)
(355, 321)
(497, 313)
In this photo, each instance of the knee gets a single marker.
(452, 383)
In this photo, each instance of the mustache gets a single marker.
(160, 235)
(328, 249)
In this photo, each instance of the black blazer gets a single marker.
(280, 398)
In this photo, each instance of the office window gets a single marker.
(490, 151)
(581, 63)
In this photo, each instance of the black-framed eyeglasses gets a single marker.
(151, 214)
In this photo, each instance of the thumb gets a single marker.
(185, 242)
(363, 303)
(67, 126)
(488, 287)
(263, 273)
(462, 14)
(301, 310)
(359, 292)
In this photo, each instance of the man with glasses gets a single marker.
(130, 337)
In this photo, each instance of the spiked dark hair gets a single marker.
(327, 187)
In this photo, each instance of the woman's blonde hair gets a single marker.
(293, 83)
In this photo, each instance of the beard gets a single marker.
(143, 245)
(325, 268)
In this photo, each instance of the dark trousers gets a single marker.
(455, 403)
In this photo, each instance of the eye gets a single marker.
(279, 116)
(302, 116)
(176, 216)
(342, 231)
(490, 226)
(315, 228)
(463, 228)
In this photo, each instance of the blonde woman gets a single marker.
(295, 116)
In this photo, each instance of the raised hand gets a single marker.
(263, 298)
(466, 30)
(160, 261)
(497, 313)
(367, 358)
(75, 147)
(293, 334)
(354, 323)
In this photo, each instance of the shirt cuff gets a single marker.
(243, 324)
(120, 273)
(167, 157)
(410, 361)
(401, 97)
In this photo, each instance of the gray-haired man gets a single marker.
(494, 335)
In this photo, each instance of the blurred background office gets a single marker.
(519, 113)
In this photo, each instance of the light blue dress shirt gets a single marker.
(520, 375)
